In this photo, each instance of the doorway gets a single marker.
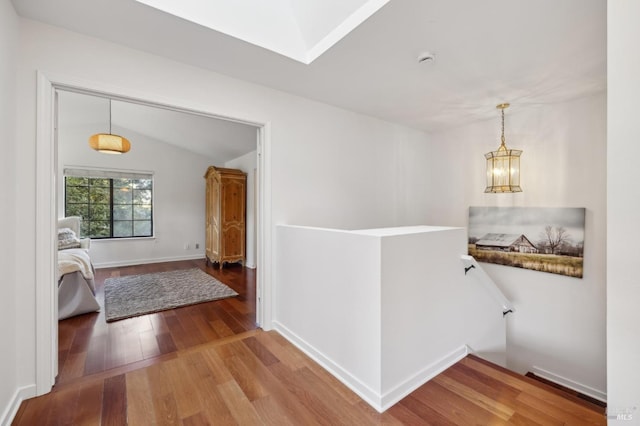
(47, 207)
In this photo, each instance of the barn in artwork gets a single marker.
(506, 242)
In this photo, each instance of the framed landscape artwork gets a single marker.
(543, 239)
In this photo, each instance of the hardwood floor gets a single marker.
(247, 376)
(87, 344)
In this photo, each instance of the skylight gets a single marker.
(299, 29)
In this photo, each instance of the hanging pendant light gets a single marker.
(108, 143)
(503, 165)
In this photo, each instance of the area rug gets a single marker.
(134, 295)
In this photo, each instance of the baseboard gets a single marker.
(375, 399)
(369, 395)
(119, 263)
(405, 388)
(11, 410)
(568, 383)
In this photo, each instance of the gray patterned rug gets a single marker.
(134, 295)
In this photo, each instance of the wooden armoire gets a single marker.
(225, 215)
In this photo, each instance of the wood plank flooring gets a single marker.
(88, 344)
(252, 377)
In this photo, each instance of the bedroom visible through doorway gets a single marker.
(47, 206)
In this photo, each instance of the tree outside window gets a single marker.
(111, 207)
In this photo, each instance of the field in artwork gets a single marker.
(537, 238)
(555, 264)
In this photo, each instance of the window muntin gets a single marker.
(111, 207)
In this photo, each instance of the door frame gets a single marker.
(46, 320)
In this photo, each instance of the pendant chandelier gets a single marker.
(108, 143)
(503, 165)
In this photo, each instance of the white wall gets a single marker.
(329, 167)
(334, 317)
(9, 283)
(396, 309)
(623, 203)
(248, 164)
(178, 194)
(559, 323)
(431, 309)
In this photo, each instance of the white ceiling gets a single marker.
(526, 52)
(219, 140)
(300, 30)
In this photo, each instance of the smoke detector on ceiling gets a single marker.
(426, 57)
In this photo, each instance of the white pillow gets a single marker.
(67, 239)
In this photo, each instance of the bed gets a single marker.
(76, 279)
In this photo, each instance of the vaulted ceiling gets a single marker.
(526, 52)
(218, 140)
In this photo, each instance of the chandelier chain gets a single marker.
(502, 138)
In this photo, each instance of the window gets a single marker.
(112, 204)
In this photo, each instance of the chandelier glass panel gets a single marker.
(503, 165)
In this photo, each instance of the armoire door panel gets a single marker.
(233, 201)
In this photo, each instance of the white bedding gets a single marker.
(76, 296)
(75, 260)
(76, 284)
